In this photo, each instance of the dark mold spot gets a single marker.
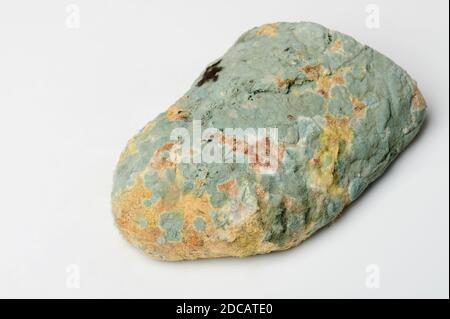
(211, 73)
(329, 38)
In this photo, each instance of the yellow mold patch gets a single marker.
(418, 101)
(336, 138)
(140, 225)
(296, 93)
(128, 208)
(325, 83)
(324, 80)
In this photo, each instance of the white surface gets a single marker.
(71, 98)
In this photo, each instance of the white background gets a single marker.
(71, 98)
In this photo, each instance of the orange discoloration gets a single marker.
(273, 157)
(128, 208)
(227, 186)
(199, 182)
(238, 240)
(418, 101)
(268, 30)
(158, 162)
(175, 113)
(359, 108)
(325, 83)
(283, 83)
(237, 145)
(230, 188)
(313, 72)
(337, 123)
(337, 47)
(241, 240)
(263, 155)
(194, 240)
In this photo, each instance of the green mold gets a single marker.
(199, 224)
(172, 224)
(343, 112)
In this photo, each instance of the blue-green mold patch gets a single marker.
(172, 224)
(356, 187)
(199, 224)
(219, 219)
